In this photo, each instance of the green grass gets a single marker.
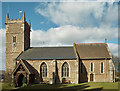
(7, 86)
(103, 85)
(75, 87)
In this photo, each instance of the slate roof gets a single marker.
(41, 53)
(93, 50)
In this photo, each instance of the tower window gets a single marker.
(14, 39)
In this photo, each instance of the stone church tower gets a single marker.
(17, 40)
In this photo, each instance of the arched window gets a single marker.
(65, 70)
(43, 70)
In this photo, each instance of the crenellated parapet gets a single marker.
(22, 20)
(14, 21)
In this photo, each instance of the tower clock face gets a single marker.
(14, 44)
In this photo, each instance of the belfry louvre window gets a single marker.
(102, 67)
(43, 70)
(91, 65)
(65, 70)
(14, 38)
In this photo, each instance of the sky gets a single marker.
(65, 22)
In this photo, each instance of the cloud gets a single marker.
(85, 14)
(78, 22)
(114, 48)
(67, 35)
(2, 49)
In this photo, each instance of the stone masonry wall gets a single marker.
(12, 51)
(98, 76)
(72, 70)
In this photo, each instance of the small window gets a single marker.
(91, 67)
(102, 67)
(14, 39)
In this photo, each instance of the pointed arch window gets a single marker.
(65, 70)
(43, 70)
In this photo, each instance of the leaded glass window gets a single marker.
(65, 70)
(43, 70)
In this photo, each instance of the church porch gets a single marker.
(23, 74)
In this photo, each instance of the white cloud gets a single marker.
(80, 13)
(67, 35)
(2, 49)
(79, 22)
(111, 16)
(114, 48)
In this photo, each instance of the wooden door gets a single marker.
(91, 77)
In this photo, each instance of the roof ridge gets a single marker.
(52, 47)
(88, 43)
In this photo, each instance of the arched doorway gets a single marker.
(20, 80)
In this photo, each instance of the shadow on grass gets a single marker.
(80, 87)
(57, 87)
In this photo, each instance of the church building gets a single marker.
(82, 62)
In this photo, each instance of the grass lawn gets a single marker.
(6, 86)
(103, 85)
(66, 87)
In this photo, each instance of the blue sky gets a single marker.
(63, 23)
(29, 8)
